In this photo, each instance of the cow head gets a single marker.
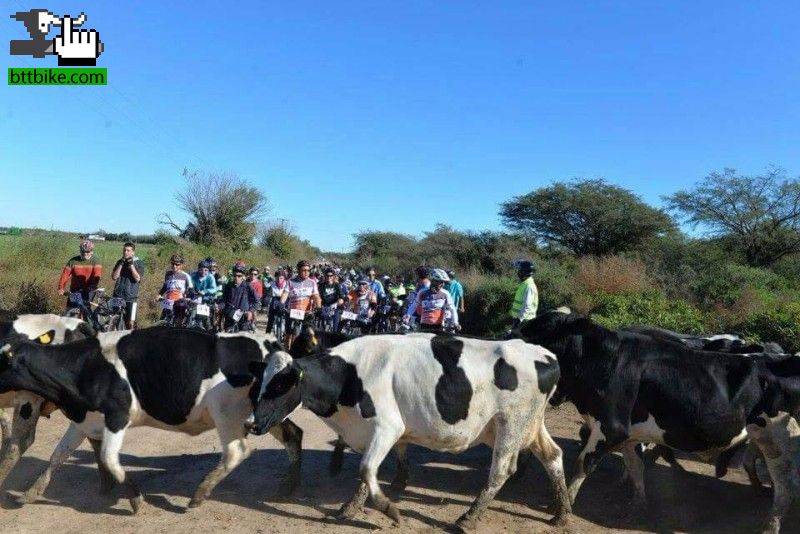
(275, 392)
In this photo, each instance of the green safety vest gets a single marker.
(519, 296)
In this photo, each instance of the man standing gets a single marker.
(456, 290)
(302, 295)
(526, 299)
(83, 272)
(239, 299)
(128, 273)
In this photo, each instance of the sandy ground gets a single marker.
(168, 466)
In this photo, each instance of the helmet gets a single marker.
(176, 258)
(524, 266)
(330, 270)
(386, 277)
(203, 265)
(422, 272)
(212, 264)
(239, 267)
(281, 272)
(438, 275)
(87, 246)
(451, 273)
(363, 280)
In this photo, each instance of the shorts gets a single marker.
(131, 307)
(295, 326)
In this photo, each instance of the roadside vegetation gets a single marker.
(598, 248)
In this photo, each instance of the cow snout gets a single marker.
(251, 426)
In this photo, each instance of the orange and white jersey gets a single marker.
(436, 307)
(301, 293)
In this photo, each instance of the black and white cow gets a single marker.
(632, 388)
(181, 380)
(713, 343)
(438, 391)
(44, 329)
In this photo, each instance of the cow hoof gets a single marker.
(399, 483)
(560, 519)
(394, 514)
(348, 511)
(136, 503)
(288, 487)
(195, 502)
(25, 498)
(465, 524)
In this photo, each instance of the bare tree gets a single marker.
(223, 210)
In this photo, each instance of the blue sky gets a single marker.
(397, 115)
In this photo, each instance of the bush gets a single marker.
(727, 284)
(32, 297)
(651, 308)
(778, 324)
(487, 304)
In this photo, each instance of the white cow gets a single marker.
(439, 391)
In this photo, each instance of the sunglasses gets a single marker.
(177, 264)
(238, 275)
(305, 270)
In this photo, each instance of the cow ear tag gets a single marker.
(300, 375)
(45, 338)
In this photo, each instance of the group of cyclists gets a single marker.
(324, 295)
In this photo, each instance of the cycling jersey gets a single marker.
(360, 302)
(376, 287)
(175, 285)
(330, 293)
(276, 288)
(300, 293)
(436, 307)
(83, 275)
(206, 286)
(258, 287)
(413, 308)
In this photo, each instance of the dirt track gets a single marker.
(169, 466)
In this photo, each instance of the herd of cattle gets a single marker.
(718, 397)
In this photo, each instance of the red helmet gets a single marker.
(87, 246)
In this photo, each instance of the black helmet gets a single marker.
(176, 258)
(422, 272)
(451, 273)
(524, 267)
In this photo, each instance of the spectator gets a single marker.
(128, 273)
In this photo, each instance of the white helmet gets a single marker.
(438, 275)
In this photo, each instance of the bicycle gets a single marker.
(237, 321)
(107, 315)
(353, 324)
(326, 318)
(174, 312)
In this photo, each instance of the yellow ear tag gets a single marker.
(300, 375)
(45, 339)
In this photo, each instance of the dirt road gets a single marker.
(169, 466)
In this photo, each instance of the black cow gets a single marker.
(631, 388)
(182, 380)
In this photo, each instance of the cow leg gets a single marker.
(591, 453)
(383, 439)
(235, 450)
(291, 436)
(781, 501)
(109, 455)
(337, 458)
(107, 481)
(401, 478)
(550, 455)
(23, 433)
(71, 440)
(521, 462)
(635, 469)
(752, 454)
(506, 447)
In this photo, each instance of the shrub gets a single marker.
(778, 324)
(727, 284)
(650, 308)
(32, 297)
(487, 304)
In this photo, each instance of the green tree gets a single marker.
(586, 217)
(223, 210)
(279, 238)
(759, 215)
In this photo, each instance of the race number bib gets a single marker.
(349, 316)
(297, 314)
(237, 315)
(203, 310)
(167, 304)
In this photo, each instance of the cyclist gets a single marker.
(331, 295)
(302, 295)
(176, 283)
(205, 287)
(437, 311)
(82, 271)
(375, 284)
(274, 295)
(256, 283)
(456, 290)
(413, 310)
(239, 299)
(526, 298)
(362, 301)
(128, 273)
